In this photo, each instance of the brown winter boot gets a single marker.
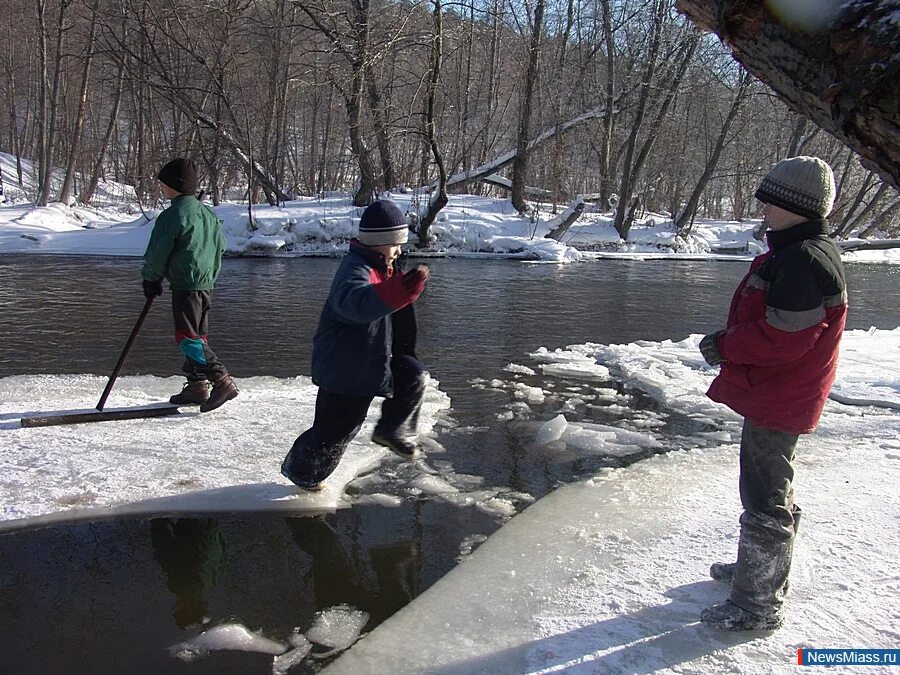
(224, 389)
(194, 392)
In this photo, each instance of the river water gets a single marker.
(111, 596)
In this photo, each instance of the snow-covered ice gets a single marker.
(609, 575)
(225, 460)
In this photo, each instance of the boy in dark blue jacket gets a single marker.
(364, 347)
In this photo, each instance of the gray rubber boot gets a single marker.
(724, 572)
(763, 565)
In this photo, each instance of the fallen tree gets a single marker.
(492, 166)
(561, 224)
(868, 244)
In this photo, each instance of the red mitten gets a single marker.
(414, 281)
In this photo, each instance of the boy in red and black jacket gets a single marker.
(778, 354)
(364, 347)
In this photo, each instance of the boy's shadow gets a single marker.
(653, 638)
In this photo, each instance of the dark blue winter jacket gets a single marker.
(352, 345)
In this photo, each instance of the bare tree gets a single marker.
(520, 163)
(685, 220)
(438, 199)
(65, 192)
(49, 100)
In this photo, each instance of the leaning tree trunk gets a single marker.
(844, 76)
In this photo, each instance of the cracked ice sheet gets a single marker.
(225, 460)
(675, 374)
(610, 575)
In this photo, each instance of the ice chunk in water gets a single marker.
(337, 627)
(283, 663)
(229, 636)
(552, 430)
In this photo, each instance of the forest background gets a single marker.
(623, 104)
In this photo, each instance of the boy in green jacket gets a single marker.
(186, 247)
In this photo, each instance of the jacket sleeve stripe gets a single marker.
(793, 321)
(836, 300)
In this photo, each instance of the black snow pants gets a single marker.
(769, 521)
(317, 451)
(191, 312)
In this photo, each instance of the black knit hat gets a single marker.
(801, 185)
(180, 174)
(382, 224)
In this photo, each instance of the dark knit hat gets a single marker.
(801, 185)
(180, 174)
(382, 224)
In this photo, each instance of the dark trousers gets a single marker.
(317, 451)
(191, 312)
(769, 521)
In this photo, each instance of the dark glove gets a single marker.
(709, 347)
(414, 280)
(152, 288)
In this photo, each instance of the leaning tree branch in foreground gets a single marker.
(846, 78)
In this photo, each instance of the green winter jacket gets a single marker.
(185, 246)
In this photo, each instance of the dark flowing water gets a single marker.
(110, 596)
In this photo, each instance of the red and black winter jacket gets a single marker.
(780, 346)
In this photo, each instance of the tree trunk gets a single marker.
(88, 193)
(849, 211)
(879, 220)
(556, 162)
(65, 192)
(843, 75)
(625, 185)
(520, 163)
(439, 198)
(255, 170)
(42, 159)
(493, 72)
(388, 177)
(606, 181)
(367, 189)
(53, 106)
(848, 227)
(561, 224)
